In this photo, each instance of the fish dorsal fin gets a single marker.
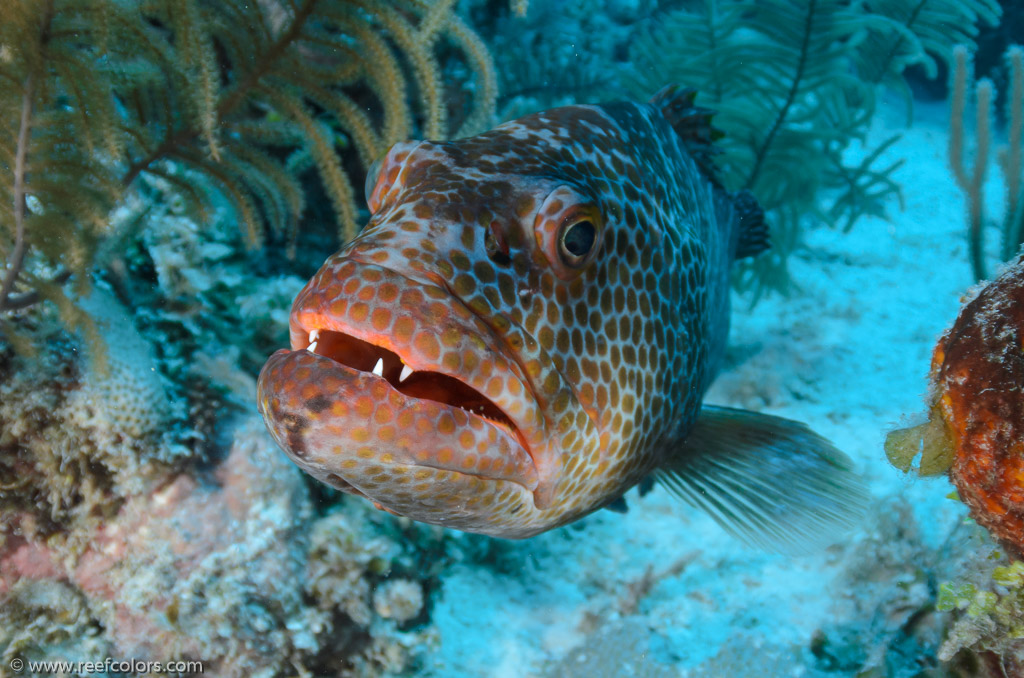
(693, 125)
(769, 481)
(751, 229)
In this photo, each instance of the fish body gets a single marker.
(527, 326)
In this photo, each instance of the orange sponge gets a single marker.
(978, 373)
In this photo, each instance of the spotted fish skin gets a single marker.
(543, 385)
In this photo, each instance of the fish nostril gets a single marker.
(318, 404)
(496, 245)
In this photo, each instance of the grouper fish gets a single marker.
(526, 328)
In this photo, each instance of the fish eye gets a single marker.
(576, 241)
(569, 230)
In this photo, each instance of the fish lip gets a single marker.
(348, 372)
(366, 334)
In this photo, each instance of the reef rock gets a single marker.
(206, 568)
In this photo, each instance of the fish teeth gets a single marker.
(312, 347)
(406, 371)
(313, 336)
(378, 369)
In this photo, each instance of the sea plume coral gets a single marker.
(971, 180)
(99, 92)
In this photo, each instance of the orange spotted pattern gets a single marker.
(544, 304)
(978, 372)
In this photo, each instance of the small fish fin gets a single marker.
(618, 505)
(645, 485)
(693, 125)
(751, 227)
(769, 481)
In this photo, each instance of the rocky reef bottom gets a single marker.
(118, 540)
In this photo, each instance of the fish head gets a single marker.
(478, 356)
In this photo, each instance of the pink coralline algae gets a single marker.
(168, 571)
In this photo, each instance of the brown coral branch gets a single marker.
(958, 104)
(424, 65)
(984, 113)
(15, 302)
(236, 97)
(283, 42)
(1012, 162)
(383, 69)
(487, 88)
(18, 255)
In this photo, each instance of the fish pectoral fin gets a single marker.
(618, 505)
(645, 485)
(769, 481)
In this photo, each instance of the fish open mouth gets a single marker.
(361, 355)
(396, 390)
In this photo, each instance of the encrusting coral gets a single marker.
(989, 616)
(127, 398)
(162, 576)
(220, 568)
(49, 613)
(74, 438)
(398, 599)
(342, 551)
(359, 570)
